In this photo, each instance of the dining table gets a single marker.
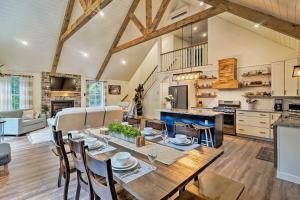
(165, 180)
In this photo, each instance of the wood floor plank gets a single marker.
(34, 168)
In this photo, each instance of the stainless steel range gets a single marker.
(229, 108)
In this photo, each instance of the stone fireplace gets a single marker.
(57, 100)
(57, 106)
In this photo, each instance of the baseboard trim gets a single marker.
(288, 177)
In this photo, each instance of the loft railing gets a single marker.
(192, 56)
(150, 80)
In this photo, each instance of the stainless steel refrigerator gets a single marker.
(180, 94)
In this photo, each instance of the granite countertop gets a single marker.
(193, 112)
(260, 110)
(288, 122)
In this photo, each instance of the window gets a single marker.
(15, 92)
(95, 93)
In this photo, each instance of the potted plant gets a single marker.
(169, 102)
(124, 132)
(45, 109)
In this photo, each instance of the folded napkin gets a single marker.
(128, 176)
(184, 148)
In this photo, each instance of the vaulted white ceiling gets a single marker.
(39, 22)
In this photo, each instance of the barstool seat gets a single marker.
(208, 136)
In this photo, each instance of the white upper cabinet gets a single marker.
(277, 71)
(291, 83)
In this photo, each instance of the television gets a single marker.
(62, 84)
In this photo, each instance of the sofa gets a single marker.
(70, 119)
(17, 125)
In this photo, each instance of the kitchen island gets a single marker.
(287, 148)
(207, 118)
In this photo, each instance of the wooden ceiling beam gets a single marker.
(117, 38)
(159, 14)
(148, 13)
(172, 27)
(138, 23)
(274, 23)
(64, 27)
(85, 17)
(83, 4)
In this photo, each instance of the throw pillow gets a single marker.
(28, 114)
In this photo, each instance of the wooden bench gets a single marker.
(211, 186)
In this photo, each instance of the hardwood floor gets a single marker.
(34, 170)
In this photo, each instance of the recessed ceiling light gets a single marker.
(84, 54)
(123, 62)
(201, 3)
(256, 25)
(101, 13)
(204, 34)
(25, 43)
(195, 28)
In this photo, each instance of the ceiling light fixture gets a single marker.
(204, 34)
(123, 62)
(201, 3)
(84, 54)
(195, 28)
(256, 25)
(101, 13)
(187, 76)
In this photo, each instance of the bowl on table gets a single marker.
(122, 157)
(90, 141)
(148, 131)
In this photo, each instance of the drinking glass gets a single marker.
(152, 155)
(164, 135)
(106, 138)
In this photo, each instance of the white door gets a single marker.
(291, 83)
(277, 71)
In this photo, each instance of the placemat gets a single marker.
(142, 169)
(165, 154)
(184, 148)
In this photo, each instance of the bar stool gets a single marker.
(208, 136)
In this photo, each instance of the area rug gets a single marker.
(39, 136)
(266, 154)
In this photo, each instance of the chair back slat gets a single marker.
(77, 149)
(60, 147)
(134, 121)
(157, 125)
(101, 168)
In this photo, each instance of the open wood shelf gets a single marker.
(202, 96)
(259, 96)
(247, 86)
(251, 75)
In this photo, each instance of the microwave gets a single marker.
(293, 107)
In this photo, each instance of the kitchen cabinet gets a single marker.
(291, 83)
(255, 124)
(277, 71)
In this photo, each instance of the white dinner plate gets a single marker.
(186, 143)
(133, 162)
(75, 136)
(152, 133)
(97, 145)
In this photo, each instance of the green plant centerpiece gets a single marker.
(124, 132)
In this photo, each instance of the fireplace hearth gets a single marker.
(57, 106)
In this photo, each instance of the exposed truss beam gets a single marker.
(118, 37)
(172, 27)
(85, 17)
(148, 13)
(160, 14)
(83, 4)
(276, 24)
(138, 23)
(64, 27)
(82, 20)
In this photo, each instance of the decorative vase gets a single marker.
(168, 105)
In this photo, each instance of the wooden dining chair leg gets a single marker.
(6, 172)
(59, 176)
(66, 189)
(78, 186)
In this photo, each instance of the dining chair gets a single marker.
(185, 129)
(156, 124)
(108, 191)
(65, 167)
(77, 152)
(134, 121)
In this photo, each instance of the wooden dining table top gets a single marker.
(166, 180)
